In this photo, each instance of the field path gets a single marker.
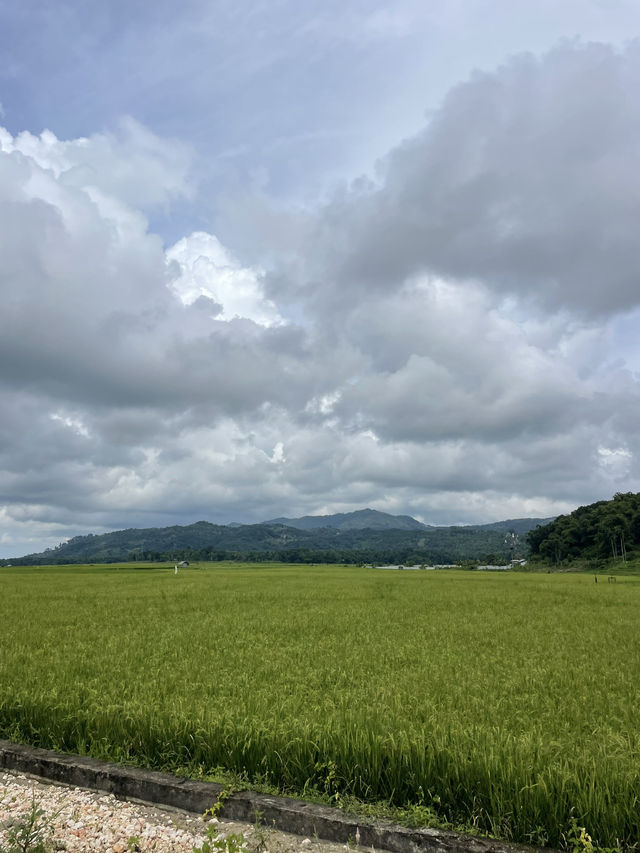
(78, 819)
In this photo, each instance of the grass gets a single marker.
(504, 702)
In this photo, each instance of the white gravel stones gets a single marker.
(78, 821)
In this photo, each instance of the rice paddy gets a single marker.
(506, 702)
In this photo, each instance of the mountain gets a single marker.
(348, 542)
(514, 525)
(361, 519)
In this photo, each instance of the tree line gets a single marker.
(605, 529)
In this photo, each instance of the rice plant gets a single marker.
(507, 702)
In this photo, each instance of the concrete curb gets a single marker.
(288, 815)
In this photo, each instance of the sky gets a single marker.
(281, 258)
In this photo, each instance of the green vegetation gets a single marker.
(216, 843)
(361, 519)
(30, 834)
(597, 532)
(271, 542)
(507, 702)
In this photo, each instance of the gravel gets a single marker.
(76, 819)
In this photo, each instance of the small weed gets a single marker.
(31, 834)
(578, 840)
(538, 837)
(354, 840)
(232, 843)
(260, 833)
(264, 838)
(214, 810)
(327, 773)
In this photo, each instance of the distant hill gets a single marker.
(596, 531)
(361, 519)
(515, 525)
(347, 541)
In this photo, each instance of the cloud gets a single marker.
(89, 315)
(204, 268)
(132, 164)
(452, 337)
(524, 179)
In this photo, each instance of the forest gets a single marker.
(598, 531)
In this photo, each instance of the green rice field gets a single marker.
(509, 702)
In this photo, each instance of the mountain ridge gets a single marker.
(275, 541)
(360, 519)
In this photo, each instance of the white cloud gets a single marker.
(203, 267)
(616, 461)
(132, 165)
(74, 424)
(278, 453)
(466, 343)
(524, 179)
